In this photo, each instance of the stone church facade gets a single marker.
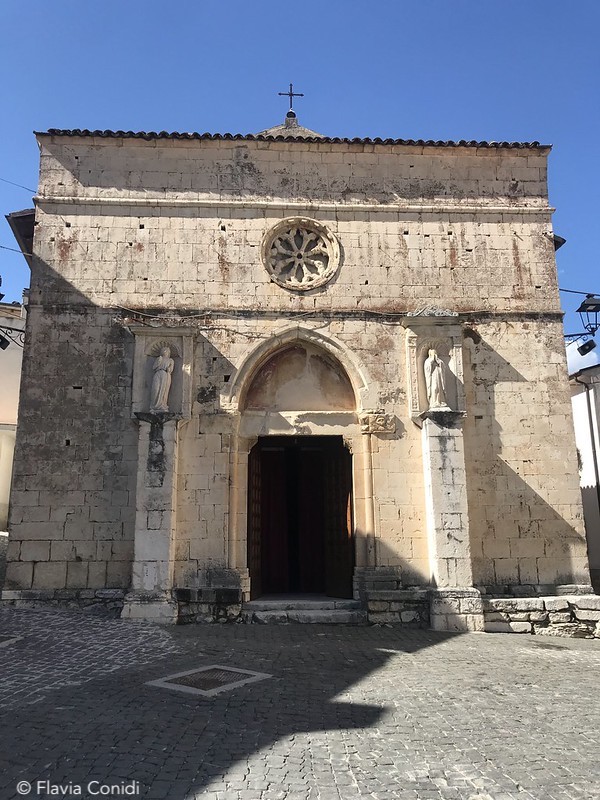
(286, 364)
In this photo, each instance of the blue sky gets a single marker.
(434, 69)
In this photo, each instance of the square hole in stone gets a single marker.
(208, 681)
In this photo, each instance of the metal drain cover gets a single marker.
(208, 681)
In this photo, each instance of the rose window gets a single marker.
(300, 254)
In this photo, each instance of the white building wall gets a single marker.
(10, 364)
(587, 438)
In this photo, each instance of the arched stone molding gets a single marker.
(234, 400)
(250, 424)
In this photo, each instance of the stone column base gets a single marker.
(456, 610)
(150, 607)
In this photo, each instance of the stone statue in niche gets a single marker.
(161, 382)
(435, 381)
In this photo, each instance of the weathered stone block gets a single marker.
(574, 589)
(496, 616)
(77, 573)
(378, 605)
(497, 627)
(556, 603)
(574, 630)
(270, 617)
(523, 591)
(97, 574)
(409, 616)
(183, 595)
(50, 575)
(118, 574)
(471, 605)
(109, 594)
(460, 622)
(227, 596)
(559, 616)
(66, 594)
(591, 602)
(520, 627)
(18, 575)
(538, 616)
(401, 595)
(586, 615)
(35, 551)
(383, 617)
(448, 605)
(513, 604)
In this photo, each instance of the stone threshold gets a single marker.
(300, 603)
(302, 609)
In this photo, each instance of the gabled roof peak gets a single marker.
(291, 129)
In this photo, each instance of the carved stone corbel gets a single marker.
(377, 422)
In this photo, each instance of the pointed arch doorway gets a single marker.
(300, 528)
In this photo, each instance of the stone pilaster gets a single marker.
(446, 499)
(448, 524)
(152, 575)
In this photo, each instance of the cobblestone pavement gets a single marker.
(350, 712)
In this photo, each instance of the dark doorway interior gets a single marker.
(300, 516)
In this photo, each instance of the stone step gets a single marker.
(307, 616)
(292, 604)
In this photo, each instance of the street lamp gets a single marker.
(588, 313)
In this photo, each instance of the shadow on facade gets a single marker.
(516, 536)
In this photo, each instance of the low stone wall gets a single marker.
(461, 610)
(559, 615)
(404, 606)
(103, 601)
(457, 610)
(208, 605)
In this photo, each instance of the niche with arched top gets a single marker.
(300, 377)
(153, 350)
(443, 350)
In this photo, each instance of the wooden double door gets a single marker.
(300, 516)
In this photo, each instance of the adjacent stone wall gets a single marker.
(73, 493)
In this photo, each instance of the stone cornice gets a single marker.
(187, 319)
(303, 206)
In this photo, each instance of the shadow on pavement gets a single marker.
(117, 729)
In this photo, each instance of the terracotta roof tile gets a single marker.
(262, 137)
